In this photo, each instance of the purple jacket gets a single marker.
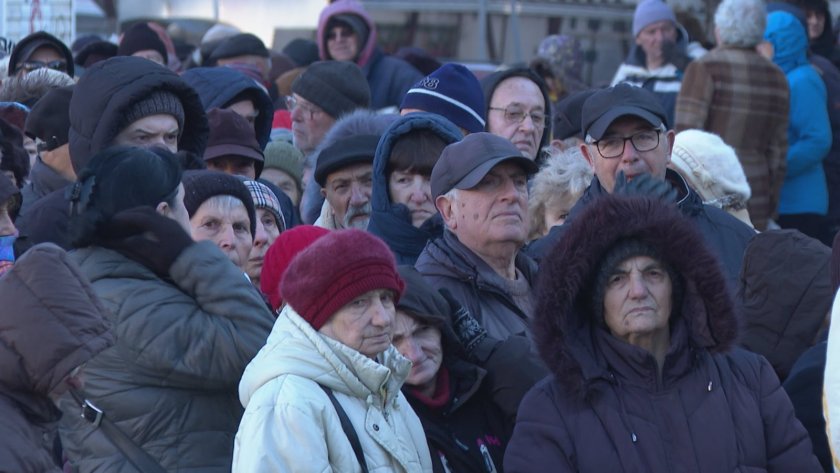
(714, 409)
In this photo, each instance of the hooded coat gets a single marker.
(608, 406)
(491, 82)
(392, 222)
(182, 345)
(218, 86)
(290, 425)
(52, 323)
(389, 77)
(809, 133)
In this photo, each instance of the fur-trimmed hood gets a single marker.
(563, 325)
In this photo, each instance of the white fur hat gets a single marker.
(711, 167)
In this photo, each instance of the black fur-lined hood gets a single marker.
(563, 322)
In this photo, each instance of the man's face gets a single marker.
(154, 130)
(516, 103)
(653, 37)
(342, 43)
(816, 23)
(365, 323)
(493, 212)
(284, 181)
(632, 162)
(245, 109)
(348, 192)
(309, 124)
(45, 56)
(235, 165)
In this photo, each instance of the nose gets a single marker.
(411, 350)
(629, 153)
(638, 288)
(261, 236)
(226, 238)
(358, 195)
(509, 192)
(296, 114)
(419, 192)
(382, 315)
(528, 123)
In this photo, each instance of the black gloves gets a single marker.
(645, 185)
(145, 236)
(470, 333)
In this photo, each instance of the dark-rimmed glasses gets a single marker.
(613, 146)
(57, 65)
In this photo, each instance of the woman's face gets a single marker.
(415, 192)
(267, 231)
(816, 24)
(421, 344)
(637, 300)
(224, 221)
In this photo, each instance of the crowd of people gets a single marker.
(330, 258)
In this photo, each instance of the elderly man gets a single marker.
(480, 189)
(518, 109)
(627, 137)
(345, 174)
(733, 90)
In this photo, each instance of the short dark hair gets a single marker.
(416, 151)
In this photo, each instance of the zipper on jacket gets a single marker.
(488, 460)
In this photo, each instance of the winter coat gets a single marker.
(831, 385)
(218, 86)
(290, 425)
(392, 222)
(491, 82)
(447, 263)
(52, 323)
(725, 235)
(607, 408)
(664, 81)
(809, 134)
(182, 345)
(389, 77)
(804, 386)
(729, 92)
(785, 293)
(830, 75)
(43, 180)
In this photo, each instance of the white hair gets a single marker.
(741, 23)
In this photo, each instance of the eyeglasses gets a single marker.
(57, 65)
(517, 115)
(339, 33)
(613, 147)
(292, 103)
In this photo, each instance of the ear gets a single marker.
(584, 150)
(670, 135)
(323, 193)
(163, 209)
(444, 206)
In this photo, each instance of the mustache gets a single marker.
(356, 211)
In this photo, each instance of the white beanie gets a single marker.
(712, 168)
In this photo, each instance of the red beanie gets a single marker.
(336, 269)
(280, 254)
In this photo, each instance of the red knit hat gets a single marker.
(280, 254)
(336, 269)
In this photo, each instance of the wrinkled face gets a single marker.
(494, 211)
(517, 112)
(151, 55)
(632, 162)
(816, 23)
(421, 344)
(268, 229)
(342, 43)
(284, 181)
(309, 124)
(235, 165)
(365, 323)
(245, 109)
(224, 221)
(413, 190)
(348, 192)
(637, 300)
(653, 37)
(153, 130)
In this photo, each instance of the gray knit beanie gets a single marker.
(158, 102)
(651, 11)
(283, 156)
(338, 87)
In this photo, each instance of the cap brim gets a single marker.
(213, 152)
(599, 127)
(476, 175)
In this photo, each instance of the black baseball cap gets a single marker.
(606, 105)
(463, 164)
(49, 119)
(568, 117)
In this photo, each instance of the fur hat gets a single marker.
(336, 269)
(280, 254)
(453, 92)
(199, 186)
(651, 11)
(141, 37)
(338, 87)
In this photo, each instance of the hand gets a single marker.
(147, 237)
(645, 185)
(470, 333)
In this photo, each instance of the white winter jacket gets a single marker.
(290, 425)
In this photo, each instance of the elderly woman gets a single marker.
(636, 324)
(270, 223)
(186, 322)
(556, 188)
(324, 393)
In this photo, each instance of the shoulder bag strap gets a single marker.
(348, 429)
(135, 455)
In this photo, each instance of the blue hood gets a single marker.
(392, 222)
(789, 40)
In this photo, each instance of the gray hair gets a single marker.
(565, 174)
(741, 23)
